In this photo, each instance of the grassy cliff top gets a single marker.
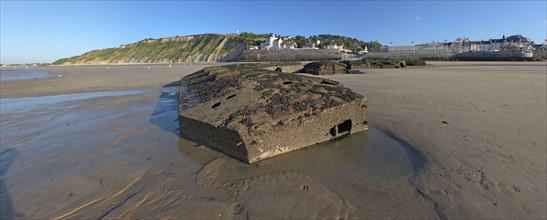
(172, 49)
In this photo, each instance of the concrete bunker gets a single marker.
(251, 113)
(325, 68)
(375, 64)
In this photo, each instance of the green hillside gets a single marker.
(194, 48)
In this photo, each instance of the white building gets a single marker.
(333, 46)
(274, 43)
(311, 44)
(497, 44)
(287, 44)
(271, 43)
(462, 45)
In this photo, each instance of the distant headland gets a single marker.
(271, 47)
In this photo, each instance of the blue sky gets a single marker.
(44, 31)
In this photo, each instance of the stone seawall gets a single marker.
(540, 56)
(473, 56)
(287, 55)
(425, 56)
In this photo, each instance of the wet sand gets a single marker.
(450, 140)
(77, 79)
(118, 155)
(481, 125)
(13, 74)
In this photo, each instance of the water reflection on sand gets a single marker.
(23, 74)
(117, 157)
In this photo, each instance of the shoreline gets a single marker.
(79, 79)
(481, 127)
(94, 78)
(228, 63)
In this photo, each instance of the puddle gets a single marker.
(372, 154)
(75, 155)
(19, 104)
(23, 74)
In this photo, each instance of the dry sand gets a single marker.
(481, 127)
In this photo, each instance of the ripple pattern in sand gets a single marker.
(282, 195)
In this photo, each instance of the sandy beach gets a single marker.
(77, 79)
(482, 127)
(448, 140)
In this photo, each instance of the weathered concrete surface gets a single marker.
(356, 64)
(293, 68)
(386, 64)
(252, 114)
(360, 66)
(426, 56)
(325, 68)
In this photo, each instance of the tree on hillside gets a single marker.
(250, 38)
(300, 41)
(373, 46)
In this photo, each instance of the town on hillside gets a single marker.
(463, 45)
(274, 42)
(459, 45)
(277, 42)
